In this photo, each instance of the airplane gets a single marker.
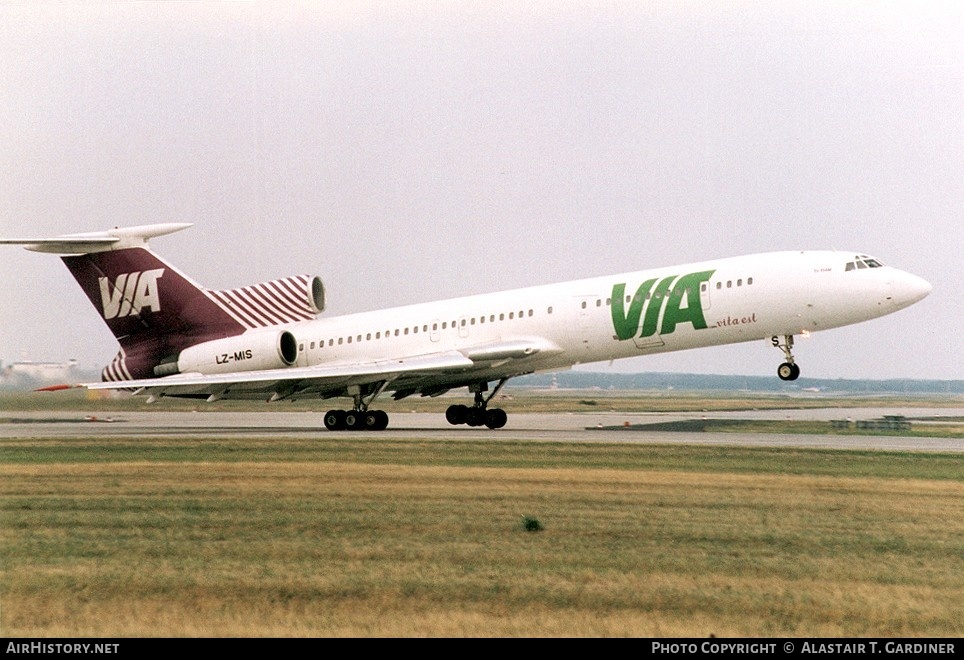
(270, 341)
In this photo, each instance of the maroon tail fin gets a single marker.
(152, 310)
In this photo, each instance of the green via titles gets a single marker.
(665, 294)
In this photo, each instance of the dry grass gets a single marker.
(433, 545)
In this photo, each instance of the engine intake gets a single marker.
(316, 294)
(248, 352)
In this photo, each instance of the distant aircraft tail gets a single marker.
(155, 312)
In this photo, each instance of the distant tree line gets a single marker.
(678, 381)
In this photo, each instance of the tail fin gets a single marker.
(154, 311)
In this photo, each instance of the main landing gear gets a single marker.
(789, 370)
(479, 414)
(359, 418)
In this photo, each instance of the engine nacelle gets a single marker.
(316, 294)
(264, 349)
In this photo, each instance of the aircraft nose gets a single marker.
(906, 289)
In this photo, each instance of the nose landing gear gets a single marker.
(789, 370)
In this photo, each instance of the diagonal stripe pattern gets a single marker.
(286, 300)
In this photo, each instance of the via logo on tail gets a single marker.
(131, 294)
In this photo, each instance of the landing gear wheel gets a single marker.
(788, 371)
(457, 414)
(335, 420)
(496, 418)
(376, 420)
(476, 417)
(355, 421)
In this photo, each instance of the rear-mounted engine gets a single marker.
(265, 349)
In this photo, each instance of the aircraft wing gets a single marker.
(428, 374)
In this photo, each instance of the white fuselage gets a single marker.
(729, 300)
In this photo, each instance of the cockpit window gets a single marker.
(863, 261)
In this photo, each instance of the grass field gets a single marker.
(375, 537)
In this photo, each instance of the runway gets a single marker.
(602, 427)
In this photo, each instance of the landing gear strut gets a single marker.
(789, 370)
(359, 418)
(479, 414)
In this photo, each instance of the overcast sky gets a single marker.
(412, 151)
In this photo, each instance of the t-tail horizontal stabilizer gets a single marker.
(98, 241)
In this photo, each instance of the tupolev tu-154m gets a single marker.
(270, 341)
